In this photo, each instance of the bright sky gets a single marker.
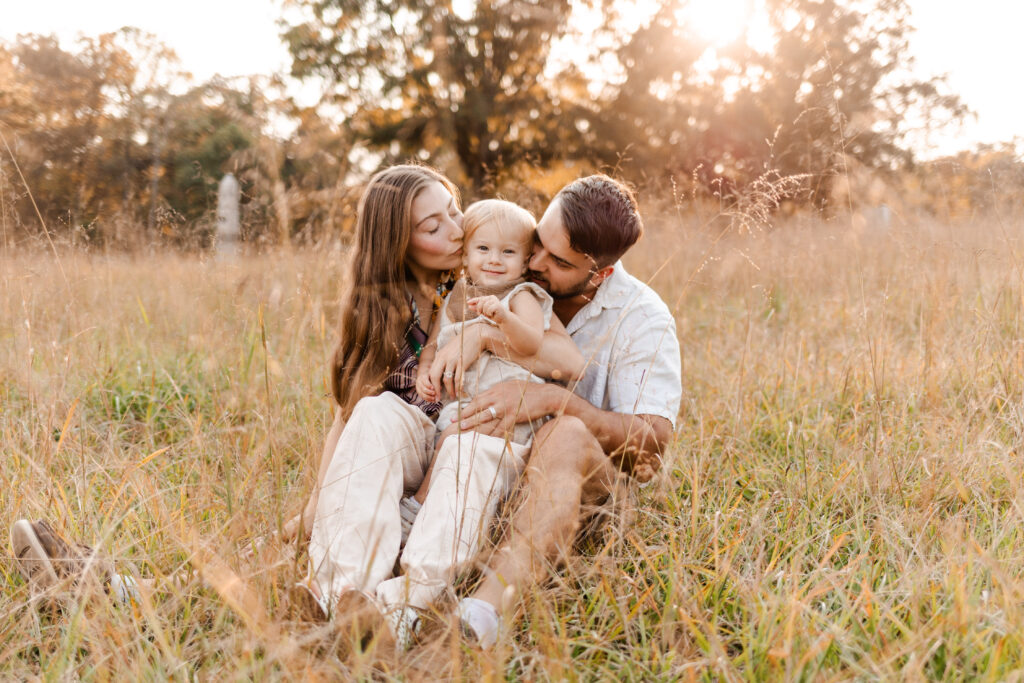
(977, 44)
(229, 37)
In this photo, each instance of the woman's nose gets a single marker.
(457, 230)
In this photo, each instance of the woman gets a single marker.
(408, 241)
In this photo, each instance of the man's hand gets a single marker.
(507, 404)
(634, 442)
(489, 307)
(647, 437)
(641, 466)
(452, 360)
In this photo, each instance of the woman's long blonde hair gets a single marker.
(375, 309)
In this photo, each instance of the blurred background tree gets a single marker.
(413, 78)
(118, 145)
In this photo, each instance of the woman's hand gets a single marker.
(489, 307)
(452, 360)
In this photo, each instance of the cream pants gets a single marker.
(384, 452)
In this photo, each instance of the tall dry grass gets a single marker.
(843, 499)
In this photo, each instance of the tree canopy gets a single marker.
(501, 85)
(110, 133)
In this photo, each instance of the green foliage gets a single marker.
(506, 96)
(108, 142)
(205, 141)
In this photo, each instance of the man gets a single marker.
(620, 415)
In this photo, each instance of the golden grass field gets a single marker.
(844, 499)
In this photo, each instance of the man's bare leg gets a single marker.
(566, 470)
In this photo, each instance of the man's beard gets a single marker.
(573, 291)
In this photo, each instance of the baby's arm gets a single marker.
(424, 386)
(522, 322)
(559, 358)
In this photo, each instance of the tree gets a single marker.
(834, 83)
(82, 140)
(414, 78)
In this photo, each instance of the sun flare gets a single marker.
(720, 22)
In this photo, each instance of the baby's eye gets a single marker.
(510, 252)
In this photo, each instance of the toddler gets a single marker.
(497, 245)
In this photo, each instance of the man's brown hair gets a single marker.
(601, 216)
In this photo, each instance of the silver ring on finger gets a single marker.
(448, 375)
(494, 413)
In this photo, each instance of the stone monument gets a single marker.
(227, 241)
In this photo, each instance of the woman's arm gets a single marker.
(302, 523)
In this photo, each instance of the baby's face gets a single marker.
(493, 258)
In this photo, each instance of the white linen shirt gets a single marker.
(628, 338)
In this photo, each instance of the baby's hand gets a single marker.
(425, 388)
(489, 307)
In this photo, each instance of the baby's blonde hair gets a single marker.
(508, 216)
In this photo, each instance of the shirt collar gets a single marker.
(613, 293)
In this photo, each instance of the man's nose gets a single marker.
(536, 261)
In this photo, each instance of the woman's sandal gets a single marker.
(33, 560)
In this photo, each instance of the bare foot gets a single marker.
(641, 466)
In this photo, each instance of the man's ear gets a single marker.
(600, 275)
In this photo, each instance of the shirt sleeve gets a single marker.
(542, 297)
(645, 371)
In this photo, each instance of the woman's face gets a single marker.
(436, 242)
